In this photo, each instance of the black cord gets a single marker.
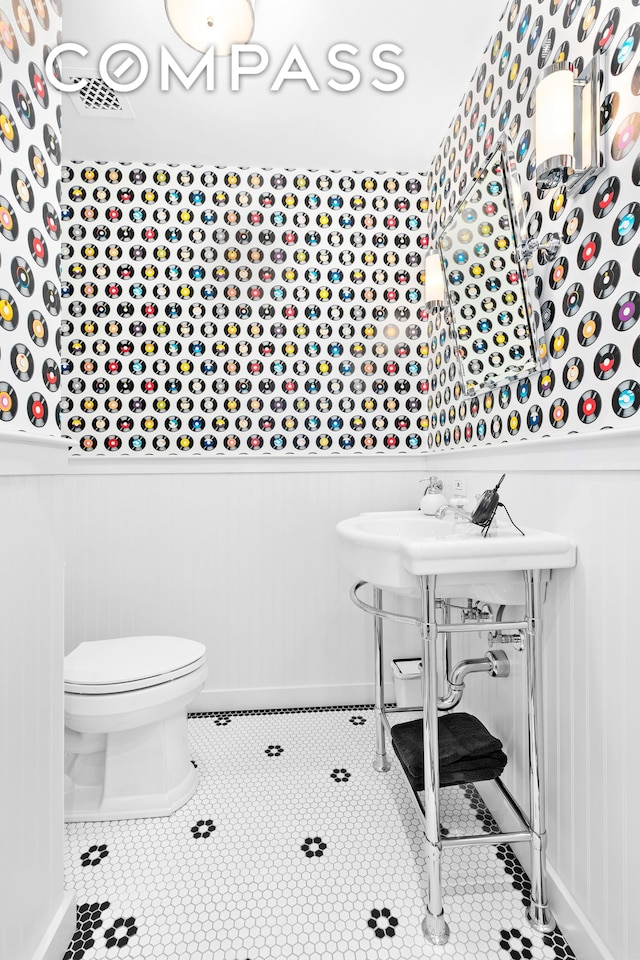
(487, 524)
(510, 518)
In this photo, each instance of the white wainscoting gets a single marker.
(38, 918)
(246, 560)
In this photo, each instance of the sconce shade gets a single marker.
(554, 119)
(217, 23)
(434, 294)
(566, 125)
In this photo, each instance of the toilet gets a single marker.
(126, 743)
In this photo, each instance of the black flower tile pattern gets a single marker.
(121, 932)
(94, 855)
(293, 865)
(30, 227)
(382, 923)
(517, 946)
(340, 775)
(202, 829)
(274, 750)
(313, 847)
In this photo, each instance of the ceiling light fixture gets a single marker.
(212, 23)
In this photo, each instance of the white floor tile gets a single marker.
(293, 846)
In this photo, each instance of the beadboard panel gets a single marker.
(245, 563)
(33, 905)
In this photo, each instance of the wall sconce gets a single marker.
(217, 23)
(434, 292)
(566, 126)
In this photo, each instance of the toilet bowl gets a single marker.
(126, 742)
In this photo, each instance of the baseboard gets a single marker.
(267, 698)
(58, 934)
(573, 922)
(585, 941)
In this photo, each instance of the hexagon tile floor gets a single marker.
(293, 846)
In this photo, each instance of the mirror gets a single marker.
(498, 332)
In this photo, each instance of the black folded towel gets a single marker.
(468, 752)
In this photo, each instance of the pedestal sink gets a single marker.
(405, 552)
(393, 549)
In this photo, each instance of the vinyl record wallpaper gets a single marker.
(254, 311)
(218, 311)
(212, 311)
(30, 306)
(589, 295)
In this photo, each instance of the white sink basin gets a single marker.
(391, 550)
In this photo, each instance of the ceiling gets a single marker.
(293, 127)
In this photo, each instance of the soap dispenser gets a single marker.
(433, 497)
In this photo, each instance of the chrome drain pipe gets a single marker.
(494, 662)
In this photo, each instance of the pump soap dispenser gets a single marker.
(433, 497)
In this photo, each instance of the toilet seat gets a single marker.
(130, 663)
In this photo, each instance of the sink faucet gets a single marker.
(458, 512)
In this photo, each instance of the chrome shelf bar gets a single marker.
(376, 609)
(515, 807)
(472, 626)
(487, 838)
(403, 709)
(486, 626)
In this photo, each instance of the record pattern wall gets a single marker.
(29, 218)
(218, 311)
(590, 293)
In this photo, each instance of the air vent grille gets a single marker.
(97, 95)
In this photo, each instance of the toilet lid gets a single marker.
(130, 662)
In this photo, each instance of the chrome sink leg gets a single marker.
(538, 914)
(433, 926)
(381, 763)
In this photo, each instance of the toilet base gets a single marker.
(128, 774)
(84, 804)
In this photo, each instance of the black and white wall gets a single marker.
(219, 311)
(30, 155)
(589, 293)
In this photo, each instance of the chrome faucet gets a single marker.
(458, 512)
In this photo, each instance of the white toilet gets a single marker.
(126, 743)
